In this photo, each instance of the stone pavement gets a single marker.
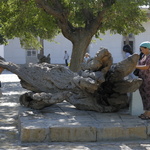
(62, 127)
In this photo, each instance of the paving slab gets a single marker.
(62, 122)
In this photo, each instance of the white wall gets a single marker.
(57, 48)
(114, 43)
(145, 36)
(14, 53)
(2, 50)
(111, 42)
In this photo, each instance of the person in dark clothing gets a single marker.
(144, 73)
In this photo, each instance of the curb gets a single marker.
(64, 123)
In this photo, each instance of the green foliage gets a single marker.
(81, 11)
(29, 21)
(125, 17)
(2, 40)
(26, 21)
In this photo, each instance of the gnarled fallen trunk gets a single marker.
(99, 86)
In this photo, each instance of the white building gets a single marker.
(113, 42)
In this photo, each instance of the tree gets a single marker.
(26, 21)
(2, 40)
(78, 20)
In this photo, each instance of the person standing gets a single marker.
(136, 71)
(66, 58)
(86, 57)
(128, 52)
(144, 73)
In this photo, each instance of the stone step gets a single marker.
(64, 123)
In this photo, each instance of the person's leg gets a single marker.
(66, 62)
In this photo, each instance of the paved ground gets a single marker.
(9, 133)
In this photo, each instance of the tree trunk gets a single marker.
(126, 39)
(78, 52)
(42, 48)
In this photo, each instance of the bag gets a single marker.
(136, 72)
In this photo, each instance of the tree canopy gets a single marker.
(78, 20)
(27, 22)
(2, 40)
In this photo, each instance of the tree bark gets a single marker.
(42, 48)
(126, 39)
(78, 52)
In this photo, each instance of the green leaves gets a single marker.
(28, 20)
(3, 41)
(124, 18)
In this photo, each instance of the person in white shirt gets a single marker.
(66, 58)
(86, 57)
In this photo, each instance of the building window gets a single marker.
(31, 53)
(131, 43)
(130, 39)
(131, 35)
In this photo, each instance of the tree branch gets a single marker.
(95, 23)
(55, 9)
